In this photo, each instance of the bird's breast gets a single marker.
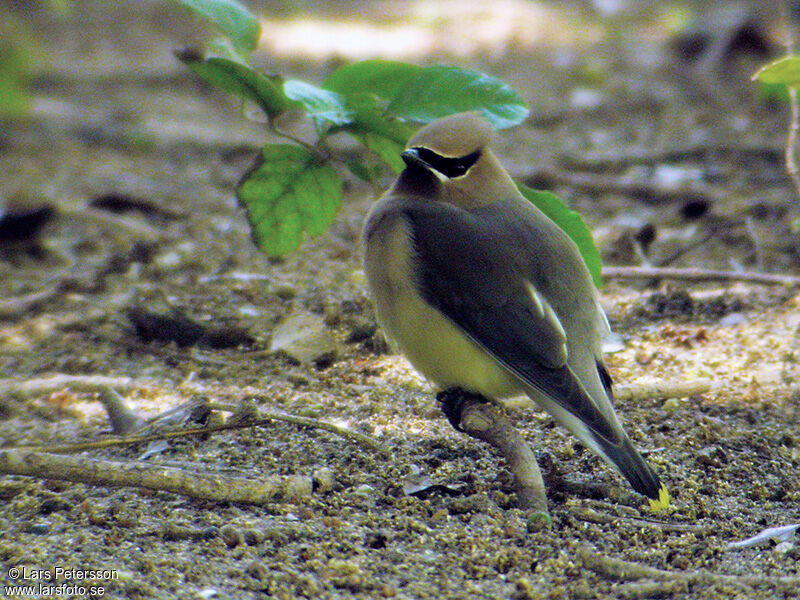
(431, 342)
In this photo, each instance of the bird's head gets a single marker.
(449, 160)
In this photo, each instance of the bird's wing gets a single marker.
(473, 278)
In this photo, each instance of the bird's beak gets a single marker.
(412, 159)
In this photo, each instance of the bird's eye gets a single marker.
(449, 167)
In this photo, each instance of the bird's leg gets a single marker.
(479, 418)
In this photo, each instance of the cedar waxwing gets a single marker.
(481, 291)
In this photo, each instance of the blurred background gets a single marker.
(643, 115)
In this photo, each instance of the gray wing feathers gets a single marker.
(502, 311)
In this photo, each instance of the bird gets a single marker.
(484, 293)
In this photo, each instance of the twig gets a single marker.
(652, 589)
(104, 219)
(662, 390)
(620, 160)
(646, 191)
(484, 421)
(19, 305)
(120, 474)
(699, 275)
(622, 569)
(260, 419)
(794, 107)
(54, 383)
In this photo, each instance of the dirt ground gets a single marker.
(671, 160)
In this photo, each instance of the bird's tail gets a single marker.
(627, 460)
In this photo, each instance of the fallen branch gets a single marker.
(662, 390)
(478, 418)
(20, 305)
(260, 418)
(55, 383)
(698, 275)
(621, 160)
(624, 570)
(647, 191)
(204, 486)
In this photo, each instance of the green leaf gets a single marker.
(237, 78)
(785, 70)
(381, 78)
(322, 105)
(232, 18)
(367, 115)
(367, 172)
(440, 90)
(288, 194)
(387, 149)
(572, 224)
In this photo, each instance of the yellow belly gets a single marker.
(433, 344)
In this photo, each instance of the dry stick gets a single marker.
(19, 305)
(641, 190)
(120, 474)
(660, 390)
(625, 570)
(263, 418)
(54, 383)
(619, 160)
(486, 422)
(794, 123)
(698, 275)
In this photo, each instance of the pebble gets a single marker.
(305, 338)
(253, 536)
(37, 528)
(231, 535)
(297, 487)
(257, 570)
(783, 547)
(323, 479)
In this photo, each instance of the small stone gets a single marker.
(285, 291)
(168, 261)
(364, 491)
(257, 570)
(37, 528)
(523, 589)
(476, 503)
(783, 547)
(671, 404)
(253, 536)
(297, 487)
(231, 535)
(538, 521)
(304, 338)
(361, 330)
(323, 479)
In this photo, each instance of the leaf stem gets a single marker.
(314, 148)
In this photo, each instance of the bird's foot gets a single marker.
(454, 401)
